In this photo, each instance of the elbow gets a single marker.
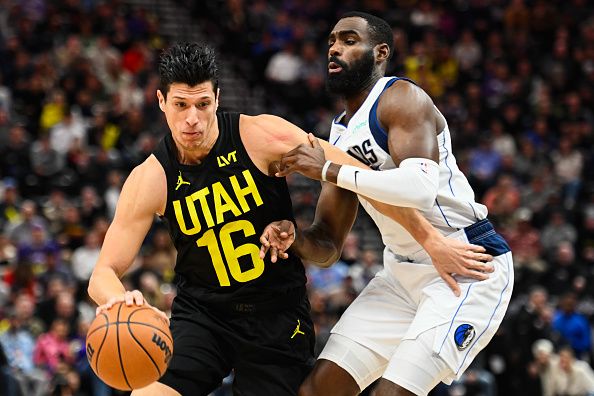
(91, 287)
(333, 258)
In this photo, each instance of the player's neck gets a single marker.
(353, 102)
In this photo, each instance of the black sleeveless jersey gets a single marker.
(216, 212)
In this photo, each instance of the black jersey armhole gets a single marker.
(164, 153)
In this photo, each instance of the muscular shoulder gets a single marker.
(405, 102)
(145, 189)
(269, 134)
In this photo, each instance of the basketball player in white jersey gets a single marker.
(406, 326)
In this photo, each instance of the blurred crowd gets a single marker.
(78, 111)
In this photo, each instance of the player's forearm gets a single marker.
(414, 184)
(416, 225)
(104, 284)
(315, 246)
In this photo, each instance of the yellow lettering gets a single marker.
(224, 163)
(241, 193)
(231, 156)
(180, 217)
(223, 202)
(232, 253)
(201, 196)
(209, 240)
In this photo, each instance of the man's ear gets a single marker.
(161, 99)
(382, 52)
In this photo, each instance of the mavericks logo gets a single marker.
(463, 336)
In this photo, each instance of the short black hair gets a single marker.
(188, 63)
(379, 30)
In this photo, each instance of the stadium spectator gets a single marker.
(515, 79)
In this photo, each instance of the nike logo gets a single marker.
(180, 181)
(356, 179)
(297, 329)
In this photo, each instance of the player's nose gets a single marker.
(334, 50)
(192, 116)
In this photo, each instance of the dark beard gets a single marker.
(352, 79)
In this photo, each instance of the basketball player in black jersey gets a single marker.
(209, 179)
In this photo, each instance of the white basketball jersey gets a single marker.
(364, 139)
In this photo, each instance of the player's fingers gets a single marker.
(129, 299)
(284, 255)
(284, 172)
(478, 266)
(263, 251)
(286, 226)
(273, 254)
(481, 266)
(476, 248)
(138, 297)
(264, 238)
(451, 282)
(290, 153)
(475, 275)
(313, 140)
(485, 258)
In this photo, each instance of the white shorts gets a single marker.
(408, 299)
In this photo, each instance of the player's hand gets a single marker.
(307, 159)
(453, 257)
(277, 237)
(133, 297)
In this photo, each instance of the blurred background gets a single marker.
(78, 110)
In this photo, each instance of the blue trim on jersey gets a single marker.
(446, 163)
(491, 318)
(379, 134)
(336, 141)
(454, 317)
(483, 234)
(443, 214)
(338, 122)
(473, 211)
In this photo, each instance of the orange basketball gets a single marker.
(129, 347)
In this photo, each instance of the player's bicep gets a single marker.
(338, 156)
(408, 115)
(279, 135)
(141, 197)
(283, 136)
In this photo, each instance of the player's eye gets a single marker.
(350, 42)
(181, 105)
(203, 104)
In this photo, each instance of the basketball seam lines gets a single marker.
(144, 349)
(101, 345)
(119, 351)
(137, 323)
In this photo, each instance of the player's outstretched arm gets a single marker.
(321, 243)
(143, 194)
(415, 138)
(407, 113)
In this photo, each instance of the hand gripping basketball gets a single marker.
(129, 347)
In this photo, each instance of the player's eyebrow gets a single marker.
(343, 33)
(185, 98)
